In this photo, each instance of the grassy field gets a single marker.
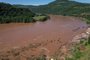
(40, 18)
(86, 53)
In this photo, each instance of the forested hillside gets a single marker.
(63, 7)
(8, 14)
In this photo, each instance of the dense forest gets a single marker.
(63, 7)
(9, 13)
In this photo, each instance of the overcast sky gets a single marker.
(36, 2)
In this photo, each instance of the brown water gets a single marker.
(58, 27)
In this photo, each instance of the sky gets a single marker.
(28, 2)
(36, 2)
(83, 1)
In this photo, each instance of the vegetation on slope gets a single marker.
(63, 7)
(9, 13)
(81, 51)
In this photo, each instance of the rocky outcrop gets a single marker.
(81, 36)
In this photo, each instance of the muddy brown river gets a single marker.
(57, 28)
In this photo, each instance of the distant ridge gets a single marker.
(62, 7)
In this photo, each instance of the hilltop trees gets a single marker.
(8, 14)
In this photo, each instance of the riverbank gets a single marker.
(80, 49)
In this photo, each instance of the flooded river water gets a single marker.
(57, 28)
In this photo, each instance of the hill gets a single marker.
(12, 14)
(9, 13)
(63, 7)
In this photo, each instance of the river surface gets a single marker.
(58, 27)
